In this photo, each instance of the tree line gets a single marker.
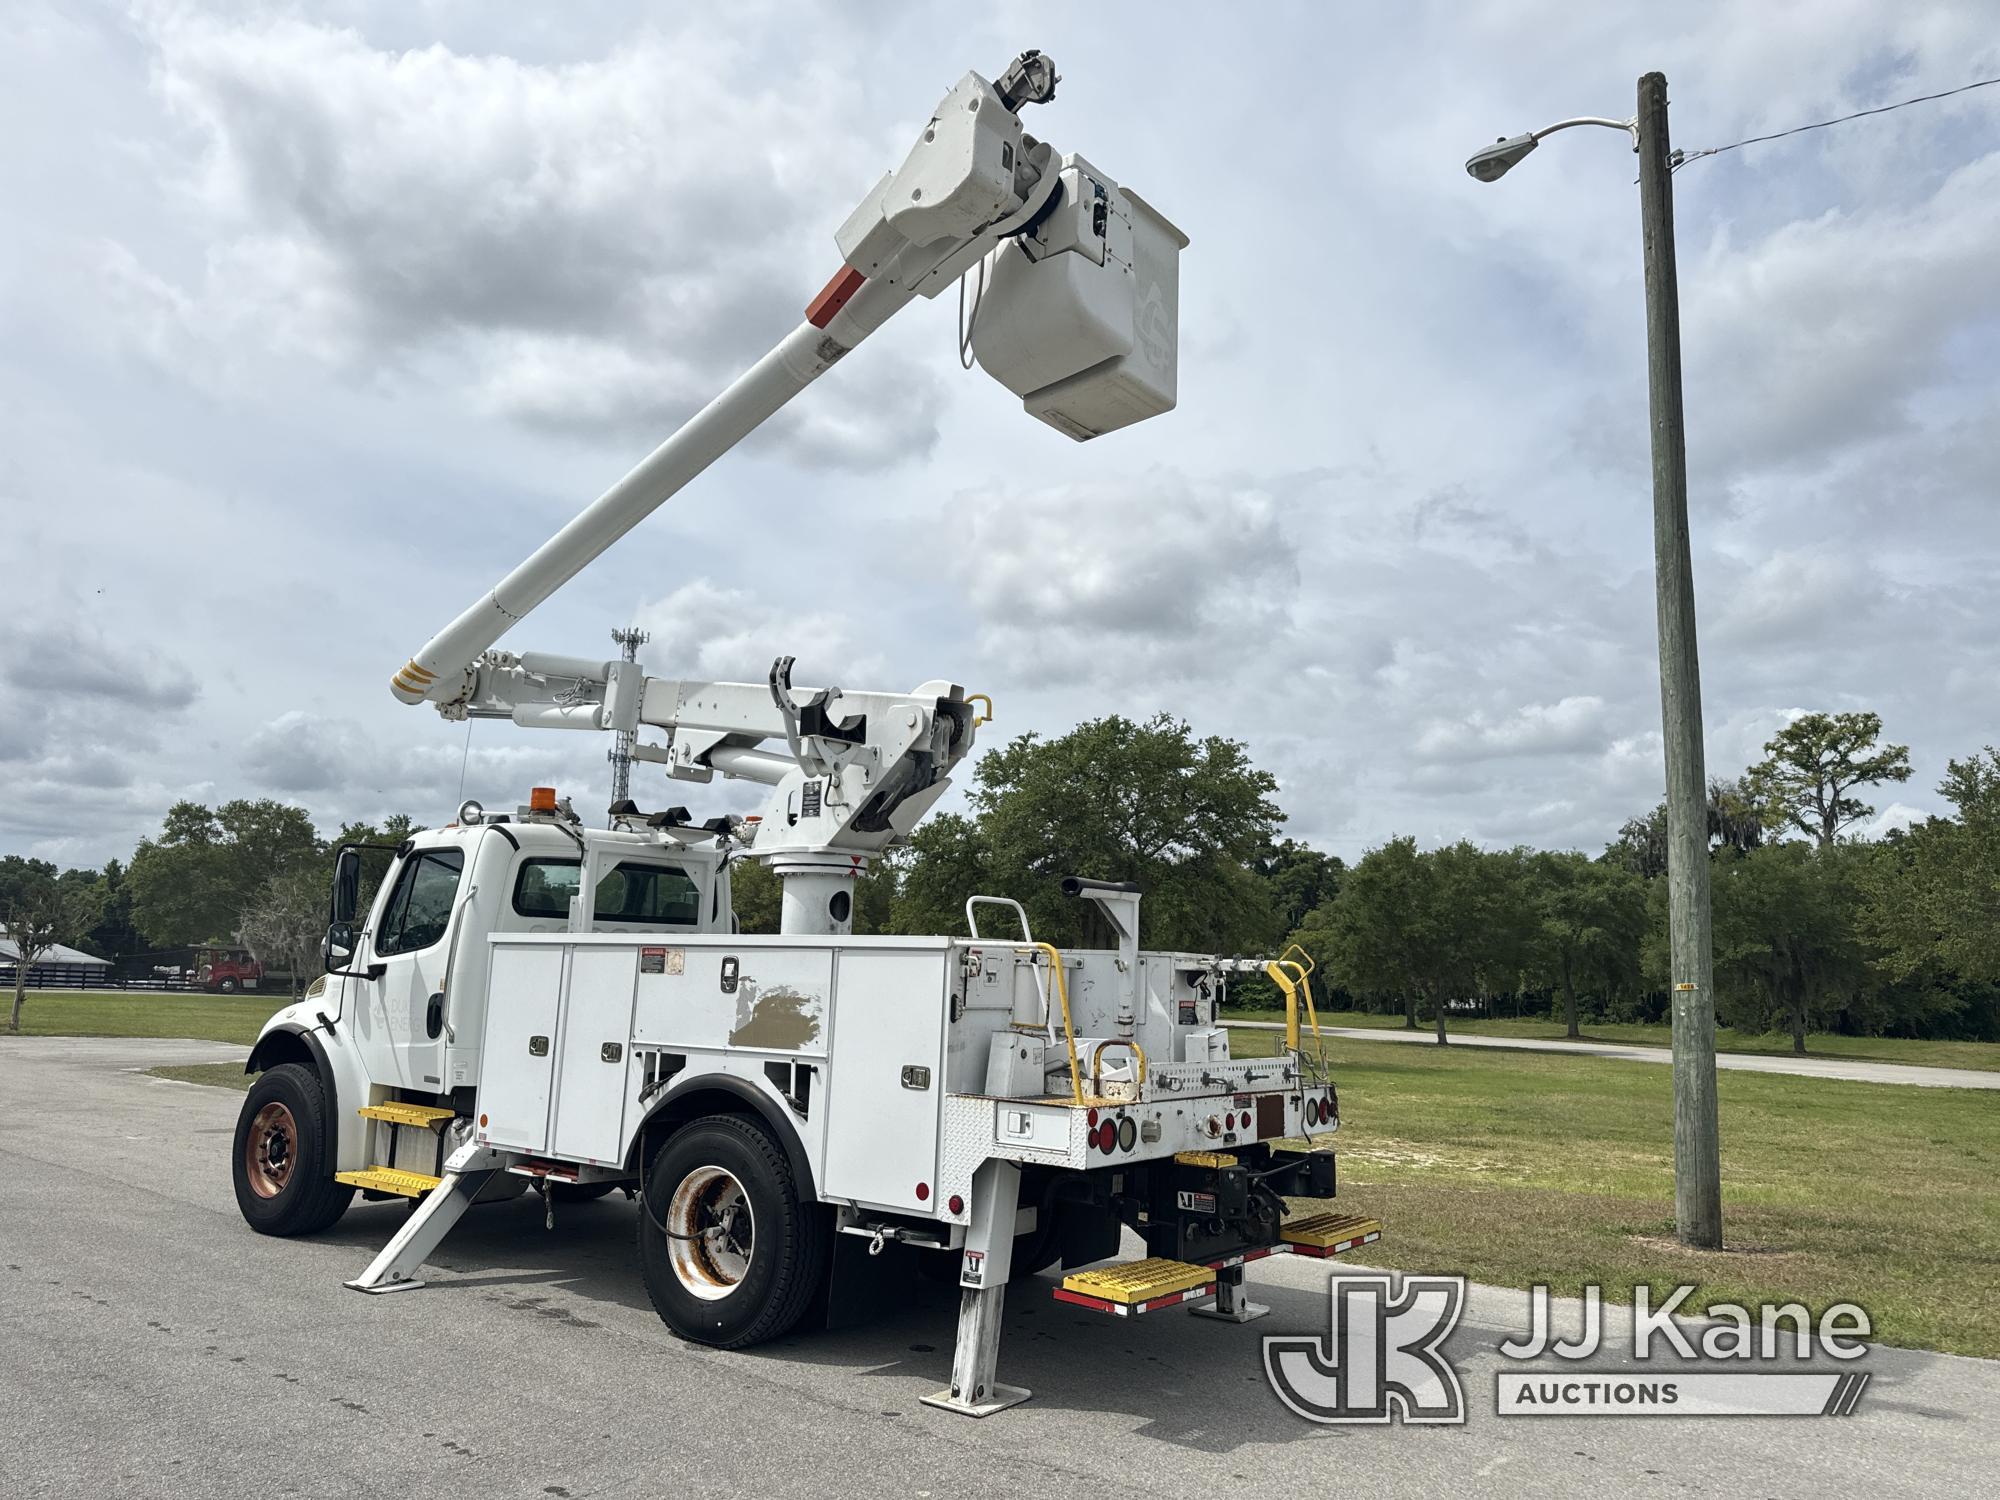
(1815, 928)
(249, 873)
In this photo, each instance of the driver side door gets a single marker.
(412, 946)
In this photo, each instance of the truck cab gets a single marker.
(398, 1018)
(224, 971)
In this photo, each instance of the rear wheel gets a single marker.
(282, 1158)
(730, 1253)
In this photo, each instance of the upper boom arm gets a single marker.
(1079, 320)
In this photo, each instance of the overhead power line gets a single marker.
(1880, 109)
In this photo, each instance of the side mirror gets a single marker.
(338, 946)
(344, 907)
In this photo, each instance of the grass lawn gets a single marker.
(209, 1018)
(1516, 1167)
(1982, 1055)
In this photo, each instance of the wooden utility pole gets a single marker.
(1697, 1153)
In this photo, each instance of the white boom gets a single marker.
(1075, 312)
(973, 183)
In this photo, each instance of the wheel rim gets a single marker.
(711, 1233)
(271, 1150)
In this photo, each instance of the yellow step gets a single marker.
(1204, 1159)
(389, 1180)
(1138, 1281)
(1329, 1234)
(397, 1112)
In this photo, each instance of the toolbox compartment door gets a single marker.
(597, 1030)
(517, 1070)
(886, 1079)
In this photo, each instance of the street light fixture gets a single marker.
(1492, 164)
(1697, 1155)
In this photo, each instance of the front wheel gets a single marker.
(228, 986)
(282, 1158)
(730, 1253)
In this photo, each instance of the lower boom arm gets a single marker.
(849, 772)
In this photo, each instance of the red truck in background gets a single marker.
(226, 970)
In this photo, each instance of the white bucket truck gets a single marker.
(527, 1000)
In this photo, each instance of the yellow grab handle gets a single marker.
(1069, 1032)
(1293, 987)
(1097, 1062)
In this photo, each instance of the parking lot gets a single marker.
(151, 1345)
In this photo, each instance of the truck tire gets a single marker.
(228, 986)
(281, 1159)
(730, 1253)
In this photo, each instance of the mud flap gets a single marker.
(861, 1287)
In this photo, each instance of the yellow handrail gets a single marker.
(1069, 1031)
(1275, 968)
(1097, 1062)
(1305, 984)
(985, 718)
(1292, 988)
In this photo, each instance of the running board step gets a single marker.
(1137, 1286)
(397, 1112)
(389, 1180)
(1322, 1235)
(1143, 1286)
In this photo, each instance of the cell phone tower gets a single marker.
(620, 754)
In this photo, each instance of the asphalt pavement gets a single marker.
(151, 1345)
(1848, 1069)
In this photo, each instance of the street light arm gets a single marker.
(1630, 127)
(1495, 161)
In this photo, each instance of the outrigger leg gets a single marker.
(982, 1281)
(1230, 1305)
(471, 1167)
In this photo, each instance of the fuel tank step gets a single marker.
(1321, 1235)
(389, 1180)
(397, 1112)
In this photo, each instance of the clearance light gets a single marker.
(956, 1204)
(923, 1192)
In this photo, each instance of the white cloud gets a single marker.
(1569, 726)
(704, 631)
(1157, 575)
(593, 247)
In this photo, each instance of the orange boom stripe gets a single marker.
(834, 296)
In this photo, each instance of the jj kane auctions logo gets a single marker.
(1382, 1358)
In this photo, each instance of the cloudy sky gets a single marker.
(314, 320)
